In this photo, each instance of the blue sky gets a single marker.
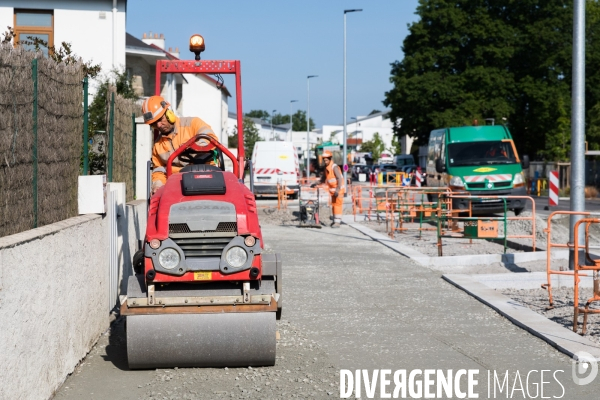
(280, 42)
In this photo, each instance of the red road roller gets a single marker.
(204, 294)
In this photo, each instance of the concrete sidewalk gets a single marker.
(371, 308)
(350, 303)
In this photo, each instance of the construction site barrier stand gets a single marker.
(485, 227)
(550, 245)
(590, 265)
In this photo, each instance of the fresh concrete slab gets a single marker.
(554, 334)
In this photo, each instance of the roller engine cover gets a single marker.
(195, 183)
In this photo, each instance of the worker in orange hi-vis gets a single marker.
(173, 132)
(335, 181)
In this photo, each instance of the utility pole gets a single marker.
(345, 160)
(308, 124)
(577, 123)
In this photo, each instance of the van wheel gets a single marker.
(518, 211)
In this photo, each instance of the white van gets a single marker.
(274, 162)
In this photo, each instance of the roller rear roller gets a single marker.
(201, 340)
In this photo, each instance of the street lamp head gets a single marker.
(293, 101)
(353, 10)
(311, 76)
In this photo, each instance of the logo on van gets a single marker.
(484, 169)
(283, 156)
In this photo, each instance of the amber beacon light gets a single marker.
(197, 45)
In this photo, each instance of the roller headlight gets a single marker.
(236, 257)
(518, 180)
(456, 181)
(169, 258)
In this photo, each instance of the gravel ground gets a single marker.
(562, 313)
(291, 216)
(302, 371)
(427, 244)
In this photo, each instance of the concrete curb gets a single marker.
(451, 261)
(562, 339)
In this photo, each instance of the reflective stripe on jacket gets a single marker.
(331, 178)
(185, 128)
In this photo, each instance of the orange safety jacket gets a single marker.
(185, 128)
(331, 178)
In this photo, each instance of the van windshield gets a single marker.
(480, 153)
(404, 161)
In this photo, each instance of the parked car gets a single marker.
(405, 163)
(360, 169)
(384, 168)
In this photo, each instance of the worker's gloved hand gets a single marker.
(156, 185)
(313, 185)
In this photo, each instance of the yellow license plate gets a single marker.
(203, 276)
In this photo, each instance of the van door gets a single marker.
(434, 151)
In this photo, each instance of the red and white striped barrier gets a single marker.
(553, 190)
(418, 177)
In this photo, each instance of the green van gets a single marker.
(481, 160)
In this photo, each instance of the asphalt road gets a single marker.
(350, 303)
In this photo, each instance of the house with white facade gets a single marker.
(190, 95)
(362, 129)
(94, 28)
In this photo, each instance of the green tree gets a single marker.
(375, 146)
(251, 136)
(280, 119)
(232, 140)
(260, 114)
(469, 60)
(396, 147)
(298, 119)
(593, 133)
(558, 140)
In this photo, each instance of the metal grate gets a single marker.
(501, 184)
(203, 246)
(179, 228)
(222, 227)
(476, 185)
(227, 227)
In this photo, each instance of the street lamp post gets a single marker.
(291, 101)
(308, 124)
(355, 130)
(345, 128)
(272, 131)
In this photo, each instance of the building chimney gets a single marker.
(155, 39)
(175, 53)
